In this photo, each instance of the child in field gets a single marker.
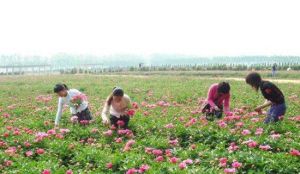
(217, 97)
(274, 97)
(76, 100)
(115, 109)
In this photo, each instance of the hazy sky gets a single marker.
(207, 28)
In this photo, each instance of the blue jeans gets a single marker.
(275, 112)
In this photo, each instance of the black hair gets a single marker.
(254, 79)
(223, 87)
(60, 87)
(117, 91)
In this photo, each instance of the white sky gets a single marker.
(206, 28)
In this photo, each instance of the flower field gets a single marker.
(167, 134)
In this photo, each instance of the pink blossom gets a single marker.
(182, 165)
(255, 120)
(193, 146)
(233, 147)
(135, 105)
(239, 124)
(222, 124)
(250, 143)
(159, 158)
(169, 126)
(128, 145)
(143, 168)
(130, 112)
(174, 160)
(69, 171)
(295, 152)
(246, 132)
(120, 123)
(264, 147)
(236, 164)
(275, 136)
(40, 151)
(8, 163)
(46, 171)
(64, 131)
(74, 119)
(222, 162)
(229, 170)
(109, 165)
(131, 171)
(29, 153)
(259, 131)
(173, 142)
(108, 133)
(118, 140)
(51, 132)
(188, 161)
(157, 152)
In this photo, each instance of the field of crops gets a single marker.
(168, 134)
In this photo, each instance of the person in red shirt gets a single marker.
(218, 97)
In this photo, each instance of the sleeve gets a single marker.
(210, 96)
(227, 103)
(105, 111)
(59, 111)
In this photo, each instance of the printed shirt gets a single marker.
(67, 101)
(271, 92)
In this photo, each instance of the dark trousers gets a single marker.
(84, 115)
(114, 121)
(211, 113)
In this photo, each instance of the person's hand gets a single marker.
(105, 121)
(56, 126)
(217, 108)
(258, 109)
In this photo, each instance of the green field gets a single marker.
(85, 149)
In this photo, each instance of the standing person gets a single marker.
(274, 68)
(115, 109)
(217, 97)
(76, 100)
(273, 95)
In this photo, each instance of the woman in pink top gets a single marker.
(217, 97)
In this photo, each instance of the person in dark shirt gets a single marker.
(273, 95)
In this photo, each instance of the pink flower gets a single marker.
(275, 136)
(182, 165)
(229, 170)
(169, 126)
(295, 152)
(40, 151)
(119, 140)
(144, 168)
(264, 147)
(259, 131)
(246, 132)
(109, 165)
(94, 130)
(239, 124)
(29, 153)
(51, 132)
(173, 142)
(193, 146)
(159, 159)
(131, 112)
(46, 171)
(250, 143)
(74, 119)
(128, 145)
(222, 162)
(157, 152)
(255, 120)
(64, 131)
(108, 133)
(131, 171)
(174, 160)
(222, 124)
(120, 123)
(233, 147)
(8, 163)
(69, 171)
(135, 105)
(236, 164)
(188, 161)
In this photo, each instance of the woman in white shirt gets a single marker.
(76, 100)
(115, 109)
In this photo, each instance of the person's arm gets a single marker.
(227, 103)
(266, 104)
(59, 111)
(105, 113)
(128, 101)
(210, 96)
